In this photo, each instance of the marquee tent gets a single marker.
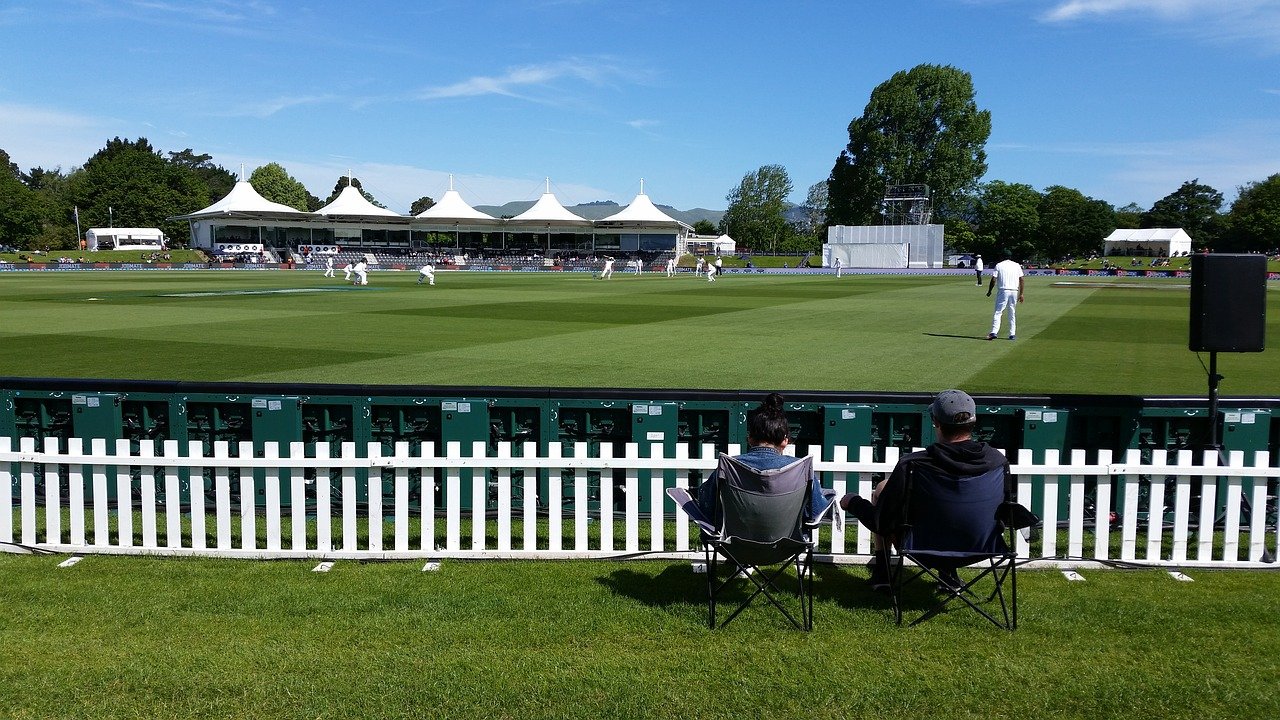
(1165, 242)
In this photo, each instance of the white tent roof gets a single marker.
(244, 199)
(642, 210)
(548, 209)
(351, 202)
(1146, 235)
(453, 208)
(126, 232)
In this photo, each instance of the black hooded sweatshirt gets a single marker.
(966, 458)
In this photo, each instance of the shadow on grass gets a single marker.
(675, 585)
(958, 337)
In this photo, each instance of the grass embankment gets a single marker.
(137, 637)
(104, 256)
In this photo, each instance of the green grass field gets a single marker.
(859, 333)
(171, 638)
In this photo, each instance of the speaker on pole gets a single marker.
(1228, 303)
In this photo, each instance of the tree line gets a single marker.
(923, 127)
(129, 183)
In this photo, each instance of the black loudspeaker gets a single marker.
(1228, 303)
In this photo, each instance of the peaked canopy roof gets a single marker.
(351, 202)
(244, 199)
(641, 211)
(453, 208)
(549, 210)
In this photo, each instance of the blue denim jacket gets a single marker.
(760, 457)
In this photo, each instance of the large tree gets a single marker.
(1130, 216)
(815, 210)
(275, 183)
(921, 126)
(1193, 207)
(1255, 217)
(754, 217)
(57, 213)
(20, 208)
(421, 205)
(1072, 224)
(129, 184)
(1008, 219)
(216, 178)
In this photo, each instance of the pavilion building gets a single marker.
(245, 221)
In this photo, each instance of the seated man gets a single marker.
(955, 454)
(768, 435)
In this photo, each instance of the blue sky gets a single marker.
(1121, 99)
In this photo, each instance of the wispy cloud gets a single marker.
(643, 124)
(215, 11)
(544, 82)
(1174, 9)
(1235, 155)
(271, 106)
(1256, 21)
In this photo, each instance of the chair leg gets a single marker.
(711, 590)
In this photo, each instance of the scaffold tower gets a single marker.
(907, 205)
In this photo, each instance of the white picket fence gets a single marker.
(66, 500)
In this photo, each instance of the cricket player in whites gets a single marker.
(346, 269)
(1007, 277)
(328, 266)
(427, 272)
(606, 272)
(671, 267)
(362, 272)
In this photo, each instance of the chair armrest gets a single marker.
(1016, 516)
(826, 512)
(684, 501)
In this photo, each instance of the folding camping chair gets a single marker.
(950, 523)
(761, 533)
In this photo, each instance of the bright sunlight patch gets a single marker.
(225, 293)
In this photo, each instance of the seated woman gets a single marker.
(768, 434)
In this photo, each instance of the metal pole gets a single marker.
(1214, 379)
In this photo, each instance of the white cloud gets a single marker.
(37, 136)
(539, 83)
(1074, 9)
(1215, 20)
(642, 124)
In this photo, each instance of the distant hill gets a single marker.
(600, 209)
